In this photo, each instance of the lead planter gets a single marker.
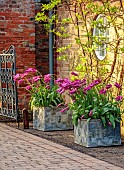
(94, 134)
(50, 119)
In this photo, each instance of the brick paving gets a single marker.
(23, 151)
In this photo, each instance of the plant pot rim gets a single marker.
(93, 119)
(87, 119)
(53, 107)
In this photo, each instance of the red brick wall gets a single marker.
(42, 45)
(17, 28)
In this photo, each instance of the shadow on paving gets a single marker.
(113, 154)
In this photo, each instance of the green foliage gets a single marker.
(94, 105)
(81, 16)
(45, 97)
(42, 95)
(94, 100)
(41, 16)
(63, 48)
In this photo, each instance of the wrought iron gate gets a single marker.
(8, 92)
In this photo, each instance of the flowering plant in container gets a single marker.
(45, 101)
(94, 100)
(39, 88)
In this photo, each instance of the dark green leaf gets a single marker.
(112, 120)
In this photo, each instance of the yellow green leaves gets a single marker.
(41, 17)
(62, 49)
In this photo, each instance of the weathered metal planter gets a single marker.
(94, 134)
(50, 119)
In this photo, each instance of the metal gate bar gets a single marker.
(8, 91)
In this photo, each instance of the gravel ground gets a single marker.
(113, 154)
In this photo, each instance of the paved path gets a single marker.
(23, 151)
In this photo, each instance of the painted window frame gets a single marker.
(101, 50)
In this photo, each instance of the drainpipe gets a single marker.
(51, 56)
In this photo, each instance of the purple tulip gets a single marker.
(20, 81)
(83, 83)
(36, 78)
(47, 87)
(77, 83)
(95, 82)
(82, 116)
(118, 98)
(66, 80)
(31, 70)
(87, 88)
(47, 78)
(108, 86)
(65, 109)
(28, 87)
(23, 75)
(59, 80)
(65, 85)
(92, 85)
(17, 76)
(117, 85)
(103, 91)
(61, 104)
(60, 90)
(74, 74)
(109, 123)
(90, 113)
(71, 92)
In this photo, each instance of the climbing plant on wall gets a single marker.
(89, 35)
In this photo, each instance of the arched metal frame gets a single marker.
(8, 91)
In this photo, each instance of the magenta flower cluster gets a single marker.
(76, 85)
(33, 79)
(108, 86)
(41, 94)
(90, 99)
(71, 86)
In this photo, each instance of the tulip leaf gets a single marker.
(103, 121)
(112, 120)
